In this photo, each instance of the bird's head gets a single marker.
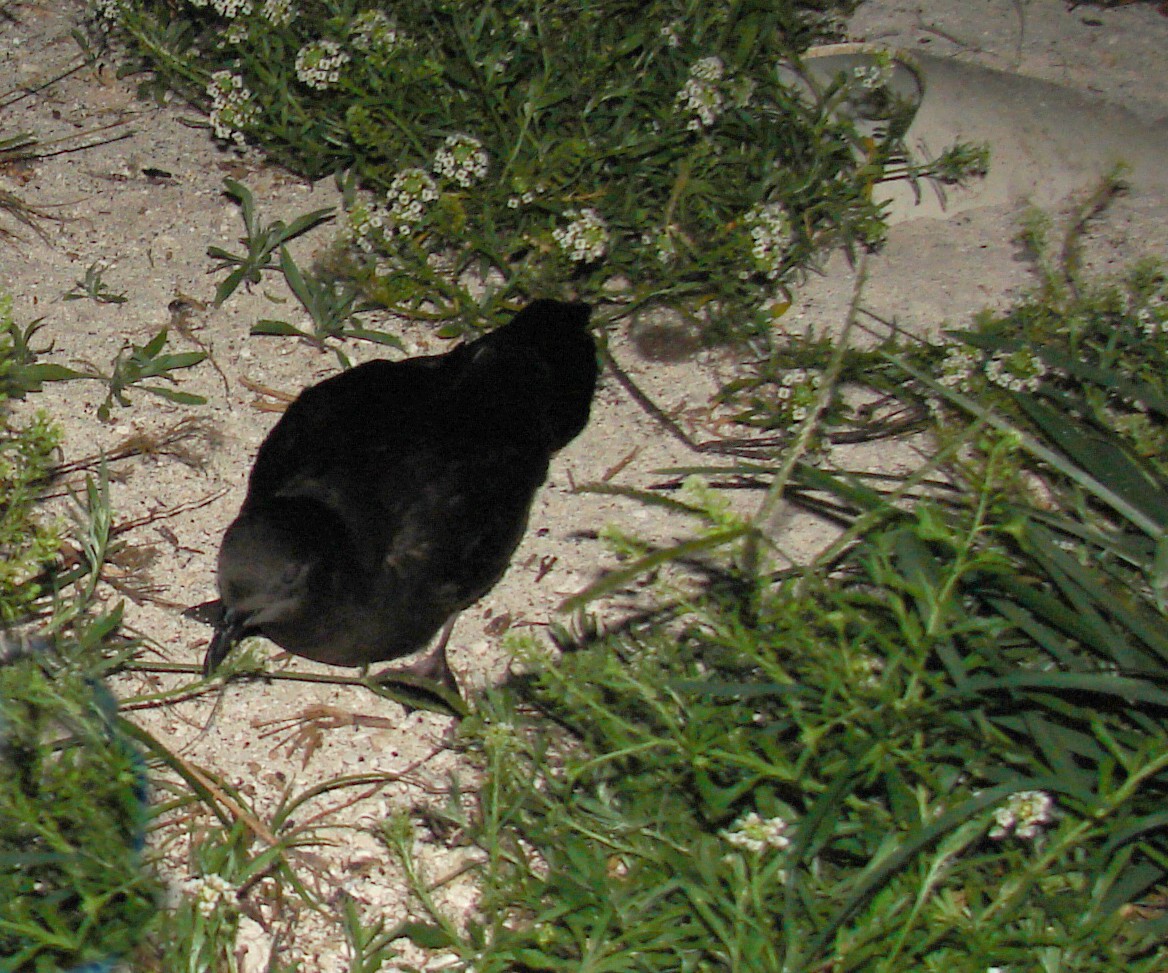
(274, 565)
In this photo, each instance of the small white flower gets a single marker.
(797, 392)
(462, 159)
(700, 94)
(236, 34)
(1151, 313)
(111, 10)
(585, 238)
(1023, 815)
(770, 235)
(755, 834)
(959, 366)
(278, 13)
(409, 193)
(871, 78)
(209, 893)
(232, 8)
(232, 107)
(669, 33)
(319, 64)
(1018, 371)
(868, 668)
(366, 224)
(372, 30)
(708, 69)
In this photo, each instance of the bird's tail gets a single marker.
(542, 363)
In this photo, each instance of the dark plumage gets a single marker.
(391, 496)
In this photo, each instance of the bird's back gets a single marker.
(526, 385)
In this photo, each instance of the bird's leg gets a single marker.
(433, 664)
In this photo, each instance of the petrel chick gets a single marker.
(391, 496)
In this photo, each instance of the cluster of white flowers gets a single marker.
(585, 238)
(232, 8)
(1023, 815)
(1151, 314)
(798, 389)
(461, 159)
(366, 224)
(867, 668)
(874, 77)
(110, 10)
(278, 12)
(755, 833)
(959, 366)
(408, 195)
(372, 30)
(209, 892)
(1018, 371)
(708, 69)
(232, 107)
(701, 94)
(319, 64)
(770, 235)
(236, 33)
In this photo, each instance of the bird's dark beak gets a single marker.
(228, 631)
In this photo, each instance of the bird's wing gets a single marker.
(375, 403)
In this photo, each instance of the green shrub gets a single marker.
(646, 153)
(942, 746)
(27, 542)
(72, 820)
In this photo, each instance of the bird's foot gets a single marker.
(427, 683)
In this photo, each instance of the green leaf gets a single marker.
(426, 935)
(614, 580)
(270, 327)
(295, 278)
(152, 347)
(378, 337)
(169, 363)
(305, 222)
(1103, 459)
(173, 395)
(1120, 688)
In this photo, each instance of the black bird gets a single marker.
(391, 496)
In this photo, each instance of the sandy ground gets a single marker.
(147, 206)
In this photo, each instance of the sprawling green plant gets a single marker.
(72, 819)
(942, 746)
(647, 153)
(72, 790)
(27, 541)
